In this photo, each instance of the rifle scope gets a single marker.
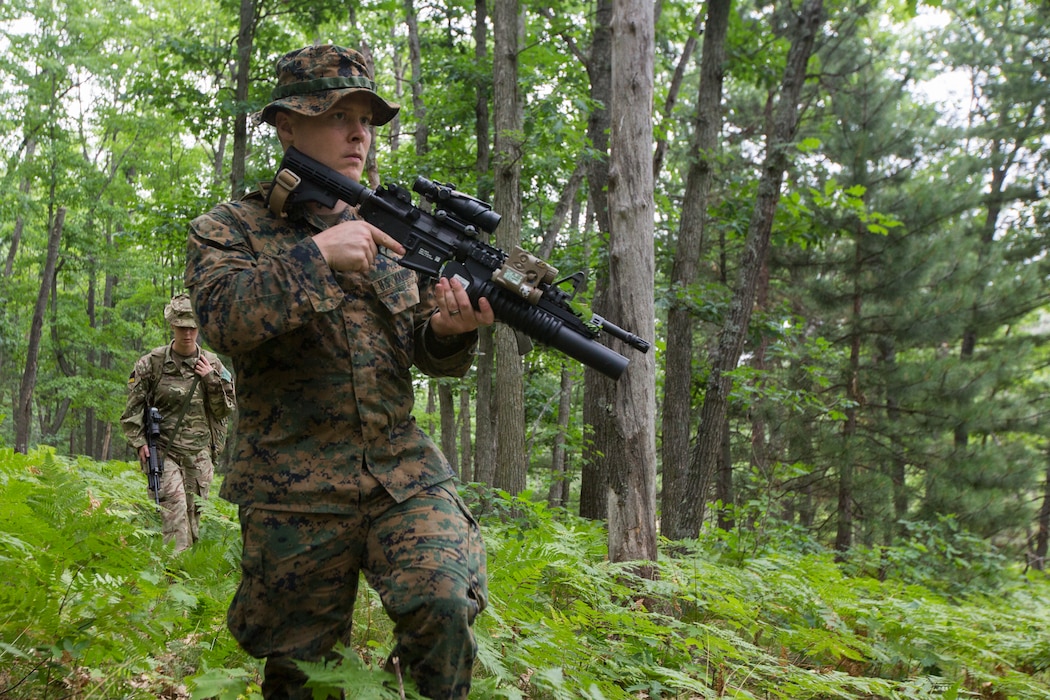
(467, 208)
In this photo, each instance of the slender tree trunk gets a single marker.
(1042, 537)
(24, 412)
(485, 429)
(724, 480)
(447, 407)
(598, 412)
(679, 76)
(16, 234)
(466, 458)
(725, 356)
(245, 39)
(415, 60)
(558, 494)
(844, 507)
(508, 117)
(428, 423)
(676, 416)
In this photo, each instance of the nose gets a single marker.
(356, 132)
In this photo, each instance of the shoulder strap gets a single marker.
(185, 407)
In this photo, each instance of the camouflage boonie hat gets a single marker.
(311, 80)
(179, 312)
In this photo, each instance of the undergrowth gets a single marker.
(93, 605)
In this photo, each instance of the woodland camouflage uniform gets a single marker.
(332, 475)
(163, 378)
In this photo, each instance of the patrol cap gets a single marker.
(179, 312)
(311, 80)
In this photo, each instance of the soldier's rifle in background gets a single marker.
(155, 466)
(520, 287)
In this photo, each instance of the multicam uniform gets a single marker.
(331, 472)
(162, 378)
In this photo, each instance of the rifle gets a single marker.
(156, 464)
(520, 286)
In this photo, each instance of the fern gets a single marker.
(93, 605)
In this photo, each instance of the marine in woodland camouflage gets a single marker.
(325, 426)
(331, 472)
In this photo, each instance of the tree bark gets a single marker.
(1037, 560)
(677, 411)
(485, 429)
(245, 40)
(24, 410)
(632, 455)
(508, 118)
(466, 458)
(725, 356)
(447, 408)
(598, 412)
(558, 493)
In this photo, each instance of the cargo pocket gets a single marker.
(475, 554)
(203, 473)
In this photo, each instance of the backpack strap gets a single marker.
(185, 407)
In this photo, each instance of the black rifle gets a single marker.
(156, 464)
(520, 287)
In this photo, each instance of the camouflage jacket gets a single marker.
(323, 360)
(162, 378)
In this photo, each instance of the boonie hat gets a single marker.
(179, 312)
(311, 80)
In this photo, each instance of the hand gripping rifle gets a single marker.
(520, 287)
(156, 464)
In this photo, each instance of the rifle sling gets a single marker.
(283, 185)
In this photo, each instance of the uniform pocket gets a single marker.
(396, 286)
(475, 553)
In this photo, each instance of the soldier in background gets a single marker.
(331, 473)
(195, 396)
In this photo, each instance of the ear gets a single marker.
(285, 123)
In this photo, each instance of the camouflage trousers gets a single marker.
(185, 481)
(299, 580)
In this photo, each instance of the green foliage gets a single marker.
(95, 606)
(92, 601)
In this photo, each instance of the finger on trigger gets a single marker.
(390, 244)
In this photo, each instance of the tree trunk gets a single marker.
(24, 410)
(466, 458)
(419, 107)
(597, 398)
(558, 493)
(1037, 559)
(678, 355)
(679, 74)
(447, 407)
(16, 234)
(844, 507)
(245, 39)
(508, 117)
(485, 429)
(726, 354)
(632, 457)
